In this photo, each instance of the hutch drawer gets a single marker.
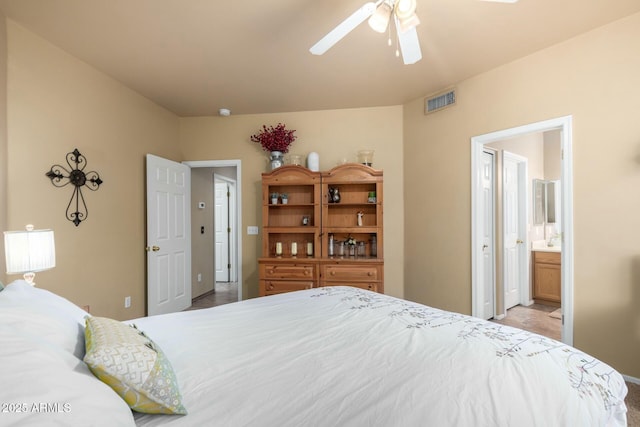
(351, 272)
(288, 271)
(270, 287)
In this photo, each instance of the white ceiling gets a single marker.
(196, 56)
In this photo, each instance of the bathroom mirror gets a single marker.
(545, 201)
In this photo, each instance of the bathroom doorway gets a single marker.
(515, 140)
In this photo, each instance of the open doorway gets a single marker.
(224, 199)
(504, 227)
(216, 232)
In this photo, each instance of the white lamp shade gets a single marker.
(29, 251)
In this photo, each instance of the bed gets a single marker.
(334, 356)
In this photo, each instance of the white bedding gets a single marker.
(348, 357)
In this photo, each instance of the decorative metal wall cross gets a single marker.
(76, 176)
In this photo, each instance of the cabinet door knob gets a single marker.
(333, 273)
(306, 272)
(370, 273)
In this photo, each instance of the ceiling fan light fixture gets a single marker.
(405, 8)
(380, 18)
(408, 23)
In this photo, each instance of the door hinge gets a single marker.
(563, 319)
(228, 229)
(229, 266)
(228, 194)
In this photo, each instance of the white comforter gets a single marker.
(347, 357)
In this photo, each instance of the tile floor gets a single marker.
(534, 318)
(224, 294)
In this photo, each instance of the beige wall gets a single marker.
(333, 135)
(552, 155)
(530, 146)
(58, 103)
(202, 261)
(593, 77)
(3, 141)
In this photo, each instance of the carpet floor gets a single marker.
(633, 405)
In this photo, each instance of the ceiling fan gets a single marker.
(380, 13)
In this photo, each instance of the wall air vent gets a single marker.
(440, 101)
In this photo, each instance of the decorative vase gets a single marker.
(313, 161)
(276, 159)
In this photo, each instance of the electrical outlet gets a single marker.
(252, 230)
(127, 302)
(199, 277)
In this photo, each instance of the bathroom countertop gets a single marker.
(541, 246)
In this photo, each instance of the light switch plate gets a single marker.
(252, 230)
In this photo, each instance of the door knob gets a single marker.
(152, 248)
(484, 247)
(519, 241)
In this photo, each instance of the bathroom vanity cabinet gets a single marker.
(547, 276)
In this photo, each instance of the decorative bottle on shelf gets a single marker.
(334, 195)
(374, 246)
(330, 245)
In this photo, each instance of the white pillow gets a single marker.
(39, 388)
(38, 313)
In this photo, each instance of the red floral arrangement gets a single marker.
(274, 138)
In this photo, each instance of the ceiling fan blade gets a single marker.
(409, 45)
(344, 28)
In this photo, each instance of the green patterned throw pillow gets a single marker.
(134, 366)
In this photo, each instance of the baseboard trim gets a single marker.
(206, 294)
(631, 379)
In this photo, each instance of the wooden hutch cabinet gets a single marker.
(296, 247)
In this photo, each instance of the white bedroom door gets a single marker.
(488, 260)
(168, 236)
(222, 231)
(514, 226)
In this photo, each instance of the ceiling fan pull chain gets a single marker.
(397, 38)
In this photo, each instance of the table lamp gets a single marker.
(29, 251)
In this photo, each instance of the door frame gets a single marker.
(564, 125)
(523, 251)
(238, 208)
